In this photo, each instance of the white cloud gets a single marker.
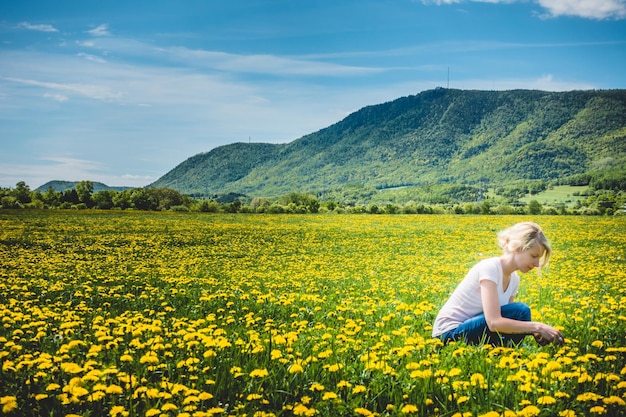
(102, 30)
(90, 57)
(93, 91)
(591, 9)
(56, 97)
(128, 178)
(265, 63)
(39, 28)
(46, 169)
(588, 9)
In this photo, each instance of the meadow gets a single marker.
(178, 314)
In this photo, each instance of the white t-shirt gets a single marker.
(466, 302)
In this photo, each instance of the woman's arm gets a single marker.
(497, 323)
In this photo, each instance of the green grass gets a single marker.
(562, 194)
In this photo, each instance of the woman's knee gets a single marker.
(516, 311)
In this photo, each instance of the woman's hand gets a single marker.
(548, 334)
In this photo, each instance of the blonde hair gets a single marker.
(523, 236)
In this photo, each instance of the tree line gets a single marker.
(82, 197)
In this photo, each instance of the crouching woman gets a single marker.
(482, 308)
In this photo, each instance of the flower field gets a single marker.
(163, 314)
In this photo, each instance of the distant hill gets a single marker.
(437, 136)
(62, 186)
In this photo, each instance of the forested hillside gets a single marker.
(462, 138)
(61, 186)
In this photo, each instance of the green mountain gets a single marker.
(62, 186)
(437, 136)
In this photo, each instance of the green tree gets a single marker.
(104, 199)
(84, 190)
(208, 206)
(121, 200)
(51, 198)
(21, 192)
(140, 199)
(534, 207)
(485, 207)
(70, 197)
(166, 198)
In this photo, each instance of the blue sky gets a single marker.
(123, 91)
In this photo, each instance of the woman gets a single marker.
(483, 309)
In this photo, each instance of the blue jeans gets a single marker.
(475, 330)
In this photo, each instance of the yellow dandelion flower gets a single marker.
(363, 412)
(153, 412)
(359, 389)
(235, 370)
(408, 409)
(259, 373)
(334, 367)
(343, 384)
(301, 410)
(567, 413)
(529, 411)
(168, 407)
(296, 368)
(546, 400)
(152, 393)
(78, 391)
(71, 368)
(588, 396)
(477, 379)
(40, 397)
(9, 403)
(598, 409)
(329, 395)
(252, 397)
(190, 399)
(118, 410)
(316, 387)
(613, 399)
(114, 389)
(205, 396)
(454, 372)
(420, 374)
(96, 396)
(150, 357)
(462, 399)
(126, 358)
(490, 414)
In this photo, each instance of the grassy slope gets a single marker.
(563, 194)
